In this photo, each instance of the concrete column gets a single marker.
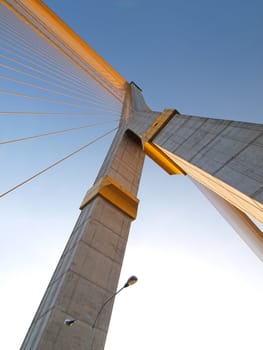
(241, 223)
(89, 269)
(223, 157)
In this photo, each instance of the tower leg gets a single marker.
(89, 269)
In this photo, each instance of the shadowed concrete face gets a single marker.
(224, 157)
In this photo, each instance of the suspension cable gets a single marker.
(61, 114)
(56, 132)
(5, 92)
(56, 163)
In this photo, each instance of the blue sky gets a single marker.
(199, 285)
(184, 47)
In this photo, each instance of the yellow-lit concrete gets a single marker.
(241, 223)
(59, 30)
(115, 194)
(238, 199)
(158, 124)
(162, 160)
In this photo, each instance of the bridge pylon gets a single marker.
(89, 268)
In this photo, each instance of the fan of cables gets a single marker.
(50, 90)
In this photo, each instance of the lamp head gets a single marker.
(131, 280)
(69, 322)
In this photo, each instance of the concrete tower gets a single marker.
(223, 158)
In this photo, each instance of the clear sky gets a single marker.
(200, 287)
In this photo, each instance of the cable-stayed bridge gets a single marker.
(50, 71)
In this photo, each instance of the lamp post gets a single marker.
(69, 322)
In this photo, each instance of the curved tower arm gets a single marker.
(53, 29)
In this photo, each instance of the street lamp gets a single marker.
(130, 281)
